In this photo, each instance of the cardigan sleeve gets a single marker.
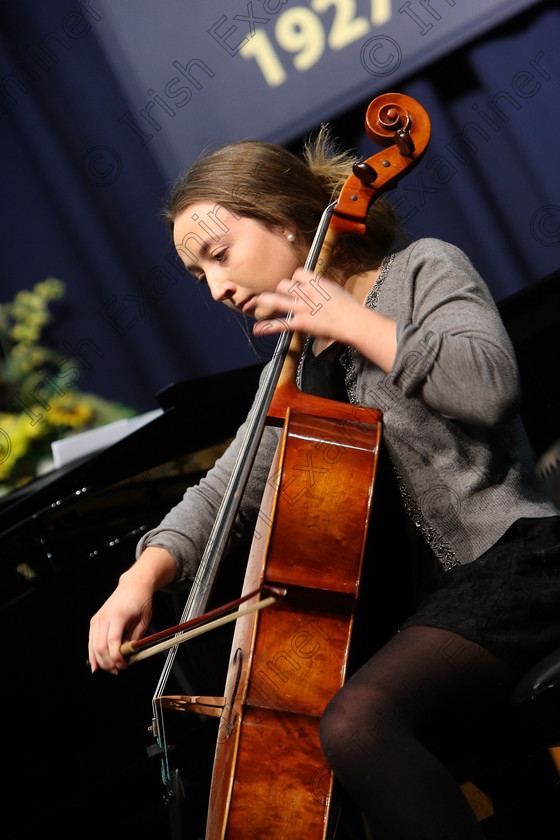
(454, 351)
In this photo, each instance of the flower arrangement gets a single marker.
(39, 402)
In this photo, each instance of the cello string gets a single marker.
(203, 582)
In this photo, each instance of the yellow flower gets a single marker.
(50, 289)
(25, 299)
(20, 433)
(67, 411)
(37, 427)
(26, 332)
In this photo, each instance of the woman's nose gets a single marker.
(221, 288)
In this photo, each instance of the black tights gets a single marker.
(387, 730)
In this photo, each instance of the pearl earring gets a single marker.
(291, 237)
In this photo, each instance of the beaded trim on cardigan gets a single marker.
(348, 358)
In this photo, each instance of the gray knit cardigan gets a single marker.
(450, 418)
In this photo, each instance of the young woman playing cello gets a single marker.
(413, 332)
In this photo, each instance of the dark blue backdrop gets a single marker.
(81, 193)
(81, 187)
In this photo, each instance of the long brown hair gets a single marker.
(266, 182)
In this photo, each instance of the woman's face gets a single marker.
(238, 257)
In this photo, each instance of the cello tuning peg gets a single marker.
(365, 174)
(404, 142)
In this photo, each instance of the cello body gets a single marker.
(270, 776)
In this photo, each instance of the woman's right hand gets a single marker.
(126, 614)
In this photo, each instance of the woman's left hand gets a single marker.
(322, 308)
(319, 307)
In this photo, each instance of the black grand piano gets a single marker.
(74, 746)
(74, 756)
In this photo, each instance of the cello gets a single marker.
(292, 636)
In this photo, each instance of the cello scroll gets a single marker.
(392, 120)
